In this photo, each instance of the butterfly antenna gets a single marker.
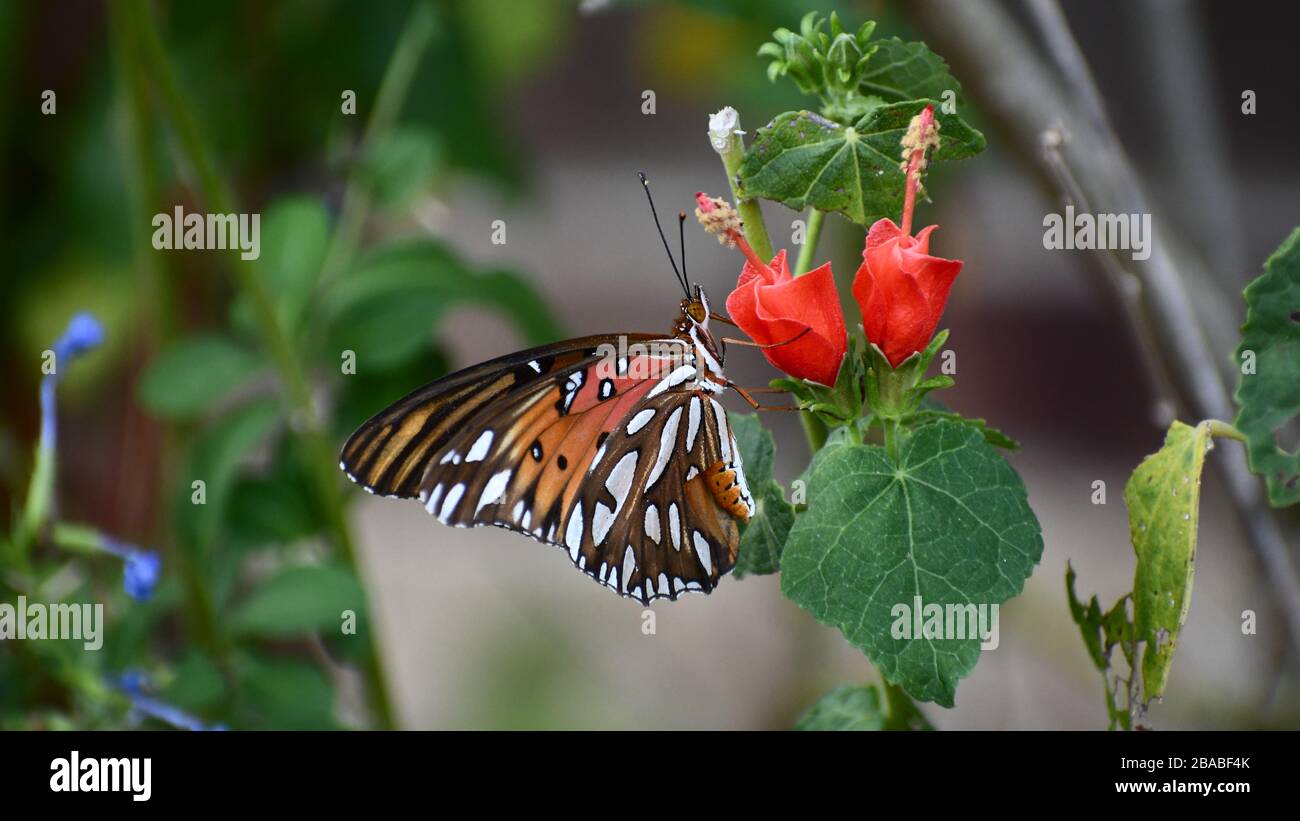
(681, 240)
(662, 238)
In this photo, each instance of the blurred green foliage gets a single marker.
(244, 628)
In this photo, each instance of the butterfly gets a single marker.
(612, 447)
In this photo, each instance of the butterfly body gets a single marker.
(614, 448)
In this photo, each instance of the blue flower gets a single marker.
(134, 684)
(141, 569)
(140, 574)
(83, 334)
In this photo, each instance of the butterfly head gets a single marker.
(693, 326)
(696, 309)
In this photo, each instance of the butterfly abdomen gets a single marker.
(725, 485)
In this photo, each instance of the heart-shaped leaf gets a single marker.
(884, 542)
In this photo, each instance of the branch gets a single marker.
(1015, 86)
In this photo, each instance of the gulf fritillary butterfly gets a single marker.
(613, 447)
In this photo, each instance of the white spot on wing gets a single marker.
(674, 526)
(640, 420)
(480, 447)
(652, 523)
(434, 496)
(620, 479)
(573, 533)
(601, 522)
(724, 435)
(667, 440)
(629, 564)
(493, 490)
(702, 551)
(693, 423)
(672, 380)
(449, 504)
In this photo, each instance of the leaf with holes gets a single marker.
(1163, 498)
(801, 159)
(763, 536)
(947, 524)
(1269, 391)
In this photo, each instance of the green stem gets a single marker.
(751, 216)
(393, 88)
(1223, 430)
(39, 495)
(252, 283)
(815, 430)
(813, 233)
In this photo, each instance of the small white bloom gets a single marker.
(721, 126)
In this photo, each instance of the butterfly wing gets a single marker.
(627, 466)
(389, 454)
(658, 513)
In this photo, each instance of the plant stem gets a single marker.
(751, 216)
(813, 233)
(414, 40)
(1224, 430)
(301, 408)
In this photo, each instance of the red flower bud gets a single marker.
(800, 316)
(901, 289)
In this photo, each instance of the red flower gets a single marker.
(773, 307)
(901, 289)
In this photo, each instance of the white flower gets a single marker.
(721, 126)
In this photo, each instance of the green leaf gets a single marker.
(1163, 498)
(283, 695)
(385, 310)
(993, 436)
(215, 460)
(193, 375)
(400, 163)
(299, 600)
(803, 160)
(272, 510)
(295, 240)
(763, 537)
(1089, 620)
(1269, 397)
(757, 447)
(949, 522)
(196, 685)
(899, 71)
(845, 708)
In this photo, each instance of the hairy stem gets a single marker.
(751, 216)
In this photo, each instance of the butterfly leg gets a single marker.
(753, 403)
(769, 344)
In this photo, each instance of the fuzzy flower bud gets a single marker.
(718, 218)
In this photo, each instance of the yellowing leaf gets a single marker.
(1163, 498)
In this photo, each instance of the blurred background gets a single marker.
(381, 241)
